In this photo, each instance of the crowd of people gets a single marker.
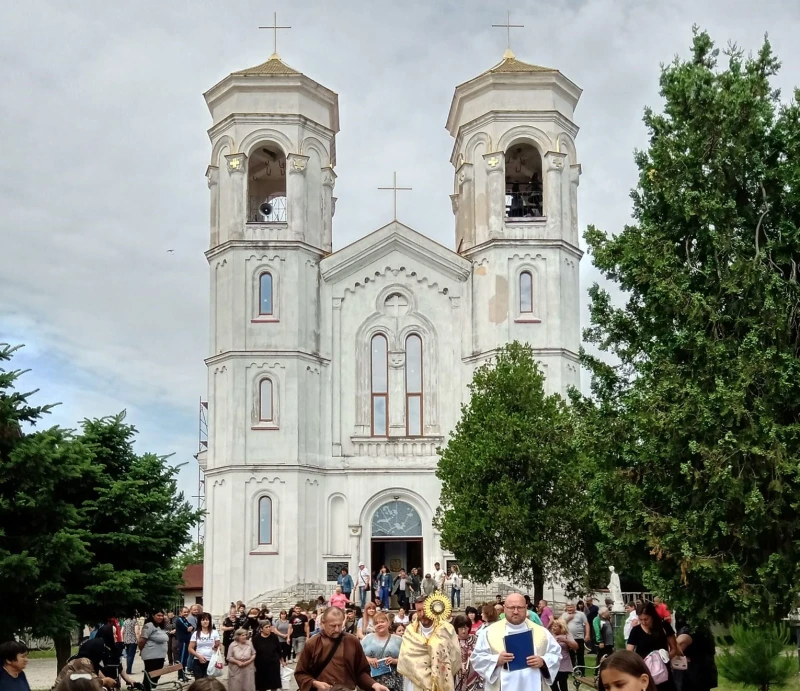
(259, 646)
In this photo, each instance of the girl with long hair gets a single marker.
(624, 671)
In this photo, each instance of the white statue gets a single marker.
(615, 591)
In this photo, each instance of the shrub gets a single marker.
(756, 658)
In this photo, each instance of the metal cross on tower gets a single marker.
(395, 189)
(508, 26)
(274, 28)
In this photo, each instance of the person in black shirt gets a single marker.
(654, 634)
(229, 625)
(299, 631)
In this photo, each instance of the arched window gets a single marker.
(414, 386)
(524, 187)
(265, 521)
(265, 410)
(526, 293)
(265, 293)
(266, 184)
(379, 379)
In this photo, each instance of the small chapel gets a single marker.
(333, 376)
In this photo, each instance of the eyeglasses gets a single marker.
(515, 609)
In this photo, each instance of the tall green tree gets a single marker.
(694, 431)
(506, 471)
(40, 542)
(134, 522)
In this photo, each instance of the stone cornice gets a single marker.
(275, 83)
(368, 467)
(521, 117)
(485, 355)
(527, 244)
(250, 354)
(233, 119)
(263, 244)
(532, 80)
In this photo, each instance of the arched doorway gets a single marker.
(396, 534)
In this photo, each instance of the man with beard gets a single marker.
(334, 658)
(491, 660)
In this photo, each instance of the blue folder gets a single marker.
(520, 645)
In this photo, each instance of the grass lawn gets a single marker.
(45, 654)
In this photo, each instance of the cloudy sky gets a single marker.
(103, 150)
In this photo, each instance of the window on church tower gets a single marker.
(379, 379)
(265, 294)
(265, 521)
(266, 184)
(525, 292)
(265, 413)
(414, 386)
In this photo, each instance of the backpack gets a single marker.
(659, 672)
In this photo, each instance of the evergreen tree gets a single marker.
(757, 657)
(506, 506)
(694, 433)
(40, 542)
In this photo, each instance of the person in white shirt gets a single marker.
(363, 583)
(456, 582)
(204, 642)
(633, 618)
(439, 576)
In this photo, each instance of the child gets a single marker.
(624, 671)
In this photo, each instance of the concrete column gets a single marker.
(496, 192)
(212, 177)
(296, 166)
(554, 166)
(328, 182)
(574, 180)
(237, 167)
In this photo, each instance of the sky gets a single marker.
(103, 151)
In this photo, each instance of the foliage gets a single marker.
(193, 554)
(40, 542)
(506, 471)
(757, 656)
(133, 520)
(88, 528)
(693, 435)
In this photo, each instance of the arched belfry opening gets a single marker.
(524, 187)
(266, 184)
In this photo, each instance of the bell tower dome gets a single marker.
(273, 143)
(516, 168)
(516, 211)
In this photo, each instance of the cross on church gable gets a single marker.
(396, 305)
(275, 28)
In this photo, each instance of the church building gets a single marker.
(333, 376)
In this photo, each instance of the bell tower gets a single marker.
(515, 207)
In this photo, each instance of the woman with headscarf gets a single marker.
(241, 656)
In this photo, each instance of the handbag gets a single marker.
(659, 672)
(215, 665)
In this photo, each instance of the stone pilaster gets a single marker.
(554, 168)
(296, 166)
(237, 169)
(496, 192)
(328, 183)
(574, 180)
(212, 177)
(465, 211)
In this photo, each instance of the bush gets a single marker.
(756, 658)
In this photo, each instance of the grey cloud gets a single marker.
(104, 147)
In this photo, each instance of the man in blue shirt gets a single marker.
(14, 656)
(346, 581)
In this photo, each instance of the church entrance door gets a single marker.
(396, 540)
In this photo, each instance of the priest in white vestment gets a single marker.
(489, 659)
(430, 655)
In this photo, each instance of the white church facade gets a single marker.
(334, 376)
